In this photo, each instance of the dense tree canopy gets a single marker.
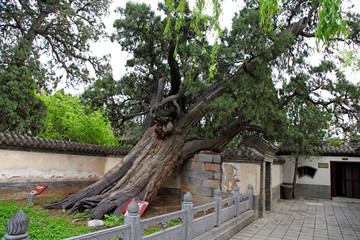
(42, 42)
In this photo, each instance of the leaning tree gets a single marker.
(263, 82)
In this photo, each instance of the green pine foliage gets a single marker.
(20, 109)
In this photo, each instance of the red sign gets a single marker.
(142, 206)
(38, 189)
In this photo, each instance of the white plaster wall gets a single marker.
(37, 166)
(111, 162)
(322, 176)
(244, 173)
(276, 175)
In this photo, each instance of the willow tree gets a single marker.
(41, 43)
(263, 82)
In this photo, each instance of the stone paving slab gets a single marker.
(306, 219)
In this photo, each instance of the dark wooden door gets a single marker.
(352, 180)
(333, 179)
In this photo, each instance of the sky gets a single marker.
(118, 57)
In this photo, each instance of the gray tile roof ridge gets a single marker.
(325, 150)
(28, 142)
(243, 152)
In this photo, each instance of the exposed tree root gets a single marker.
(139, 176)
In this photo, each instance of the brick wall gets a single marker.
(275, 194)
(201, 175)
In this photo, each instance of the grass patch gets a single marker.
(157, 228)
(54, 224)
(42, 225)
(113, 220)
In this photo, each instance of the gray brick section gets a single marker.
(205, 157)
(217, 176)
(200, 166)
(189, 173)
(204, 182)
(195, 181)
(204, 191)
(204, 174)
(196, 158)
(217, 158)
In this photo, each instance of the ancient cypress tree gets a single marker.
(263, 83)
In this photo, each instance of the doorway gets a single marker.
(345, 179)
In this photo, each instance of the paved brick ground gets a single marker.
(306, 219)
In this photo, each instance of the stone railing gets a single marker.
(222, 218)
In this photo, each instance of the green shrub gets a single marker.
(68, 119)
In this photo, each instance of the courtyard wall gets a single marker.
(68, 167)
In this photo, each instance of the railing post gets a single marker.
(217, 199)
(17, 226)
(133, 218)
(250, 192)
(189, 219)
(237, 200)
(31, 199)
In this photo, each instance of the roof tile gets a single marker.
(26, 142)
